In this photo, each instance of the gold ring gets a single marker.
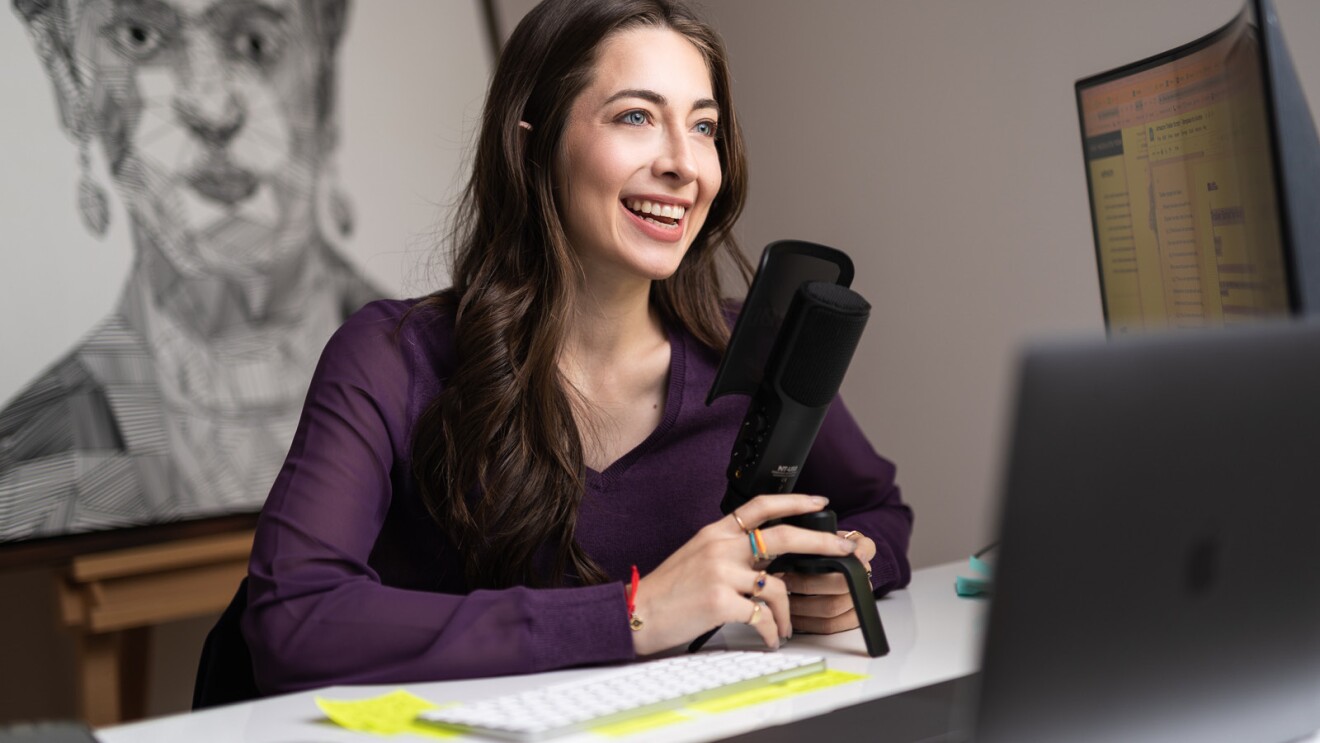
(756, 612)
(741, 525)
(759, 584)
(851, 534)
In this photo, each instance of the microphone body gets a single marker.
(803, 373)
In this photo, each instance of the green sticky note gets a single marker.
(388, 714)
(625, 728)
(973, 586)
(981, 566)
(791, 687)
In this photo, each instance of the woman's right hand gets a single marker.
(711, 579)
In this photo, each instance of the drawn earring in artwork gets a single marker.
(341, 210)
(93, 204)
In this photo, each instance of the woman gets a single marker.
(476, 474)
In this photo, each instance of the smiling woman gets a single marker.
(478, 474)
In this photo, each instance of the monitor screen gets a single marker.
(1184, 202)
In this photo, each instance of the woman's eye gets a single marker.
(137, 40)
(706, 128)
(252, 46)
(635, 118)
(256, 45)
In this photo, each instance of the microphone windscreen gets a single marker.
(832, 318)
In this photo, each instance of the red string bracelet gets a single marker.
(633, 621)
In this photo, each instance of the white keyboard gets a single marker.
(623, 693)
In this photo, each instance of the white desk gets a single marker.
(933, 635)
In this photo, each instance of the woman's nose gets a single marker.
(206, 102)
(215, 120)
(677, 161)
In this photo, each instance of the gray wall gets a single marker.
(936, 141)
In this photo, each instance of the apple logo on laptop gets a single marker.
(1201, 570)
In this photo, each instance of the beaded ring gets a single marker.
(758, 545)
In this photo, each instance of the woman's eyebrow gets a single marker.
(653, 97)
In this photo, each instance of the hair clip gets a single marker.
(525, 125)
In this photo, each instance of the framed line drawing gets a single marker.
(201, 192)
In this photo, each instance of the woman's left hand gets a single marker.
(821, 604)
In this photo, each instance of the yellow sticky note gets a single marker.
(388, 714)
(791, 687)
(641, 724)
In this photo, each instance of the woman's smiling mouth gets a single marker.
(657, 220)
(665, 215)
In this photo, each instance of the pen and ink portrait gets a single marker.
(204, 136)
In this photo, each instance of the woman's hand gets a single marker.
(712, 579)
(821, 604)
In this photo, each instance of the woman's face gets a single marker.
(207, 113)
(637, 168)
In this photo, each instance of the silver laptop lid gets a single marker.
(1157, 579)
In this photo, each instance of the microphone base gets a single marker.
(859, 586)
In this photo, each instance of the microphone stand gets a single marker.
(859, 585)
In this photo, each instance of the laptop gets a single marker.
(1158, 577)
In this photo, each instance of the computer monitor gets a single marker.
(1204, 176)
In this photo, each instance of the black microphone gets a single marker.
(803, 373)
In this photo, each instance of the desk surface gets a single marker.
(947, 646)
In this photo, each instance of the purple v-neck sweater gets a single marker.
(351, 582)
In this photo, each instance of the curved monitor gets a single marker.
(1193, 159)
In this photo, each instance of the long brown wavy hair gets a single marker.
(498, 454)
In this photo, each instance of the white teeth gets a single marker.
(672, 211)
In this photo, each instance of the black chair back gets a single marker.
(224, 675)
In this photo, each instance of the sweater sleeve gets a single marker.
(843, 467)
(319, 614)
